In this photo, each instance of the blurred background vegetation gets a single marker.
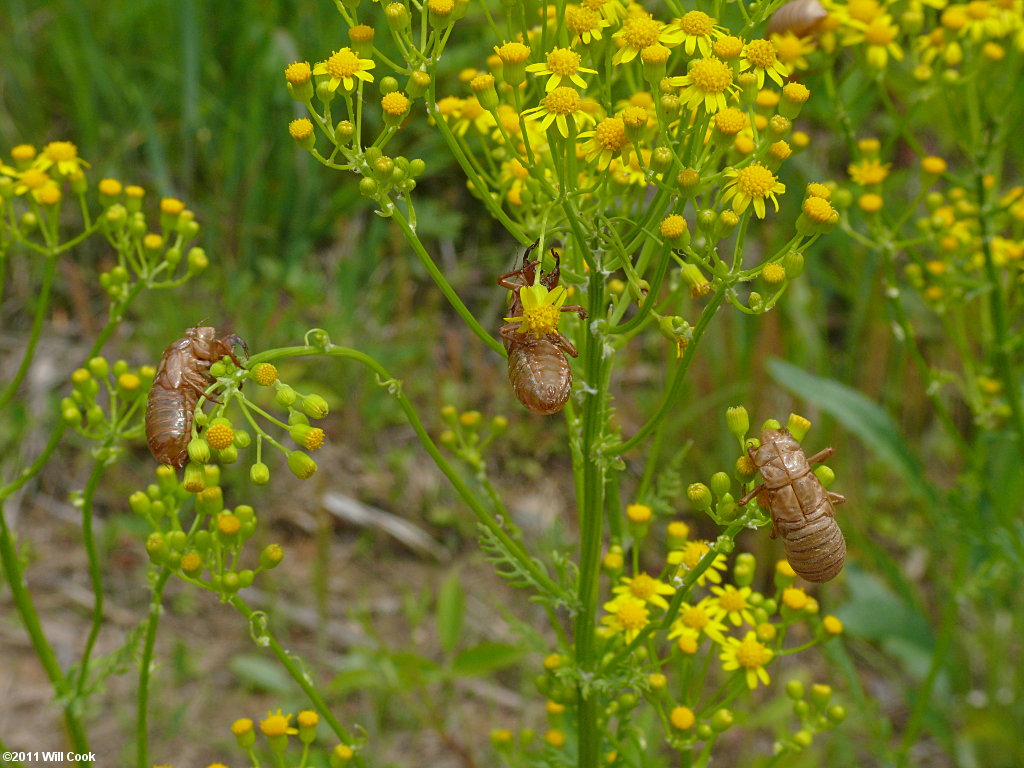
(187, 99)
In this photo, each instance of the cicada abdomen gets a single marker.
(802, 510)
(801, 17)
(181, 378)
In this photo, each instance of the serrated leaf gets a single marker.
(861, 417)
(484, 659)
(451, 605)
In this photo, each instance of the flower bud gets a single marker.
(738, 421)
(699, 495)
(199, 451)
(156, 547)
(798, 426)
(315, 406)
(301, 465)
(825, 475)
(285, 396)
(795, 689)
(720, 484)
(722, 720)
(195, 478)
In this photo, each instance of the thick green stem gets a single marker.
(42, 305)
(142, 699)
(44, 651)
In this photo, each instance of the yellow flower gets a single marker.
(63, 155)
(691, 554)
(682, 718)
(645, 588)
(586, 24)
(277, 724)
(760, 57)
(563, 66)
(541, 309)
(879, 37)
(869, 171)
(735, 603)
(794, 598)
(751, 655)
(704, 617)
(604, 142)
(792, 50)
(640, 31)
(753, 183)
(297, 73)
(343, 67)
(698, 29)
(626, 614)
(832, 625)
(33, 181)
(558, 107)
(731, 121)
(708, 83)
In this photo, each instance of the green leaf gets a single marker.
(261, 674)
(861, 417)
(451, 605)
(483, 659)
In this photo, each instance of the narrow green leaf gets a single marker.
(484, 659)
(861, 417)
(451, 603)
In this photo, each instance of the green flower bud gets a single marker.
(801, 709)
(228, 455)
(755, 301)
(199, 451)
(661, 159)
(156, 547)
(793, 262)
(803, 738)
(98, 367)
(285, 396)
(71, 416)
(297, 417)
(722, 720)
(705, 732)
(245, 578)
(301, 465)
(836, 714)
(177, 540)
(95, 416)
(259, 474)
(720, 484)
(210, 501)
(825, 474)
(820, 694)
(738, 421)
(230, 582)
(771, 424)
(197, 259)
(242, 439)
(140, 503)
(368, 187)
(166, 478)
(699, 495)
(397, 16)
(798, 426)
(795, 689)
(315, 406)
(195, 478)
(202, 540)
(271, 556)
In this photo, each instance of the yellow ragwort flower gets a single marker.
(869, 171)
(735, 602)
(698, 30)
(645, 588)
(559, 107)
(626, 614)
(751, 655)
(707, 84)
(760, 57)
(586, 24)
(343, 68)
(639, 32)
(752, 184)
(562, 65)
(63, 155)
(541, 309)
(604, 142)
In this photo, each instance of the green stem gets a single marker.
(42, 305)
(288, 662)
(678, 378)
(95, 573)
(44, 651)
(482, 513)
(441, 282)
(142, 700)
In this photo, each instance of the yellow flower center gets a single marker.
(752, 654)
(563, 61)
(863, 10)
(640, 31)
(634, 116)
(395, 103)
(275, 725)
(730, 121)
(59, 151)
(580, 20)
(695, 617)
(540, 320)
(518, 170)
(642, 586)
(732, 600)
(696, 23)
(441, 7)
(773, 274)
(34, 178)
(711, 75)
(513, 53)
(817, 209)
(869, 172)
(562, 101)
(788, 48)
(632, 615)
(655, 54)
(978, 9)
(794, 598)
(297, 73)
(342, 64)
(674, 226)
(23, 152)
(610, 133)
(220, 436)
(728, 47)
(761, 53)
(361, 33)
(879, 33)
(755, 180)
(229, 525)
(300, 129)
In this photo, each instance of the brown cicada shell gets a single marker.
(801, 17)
(181, 379)
(801, 508)
(537, 368)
